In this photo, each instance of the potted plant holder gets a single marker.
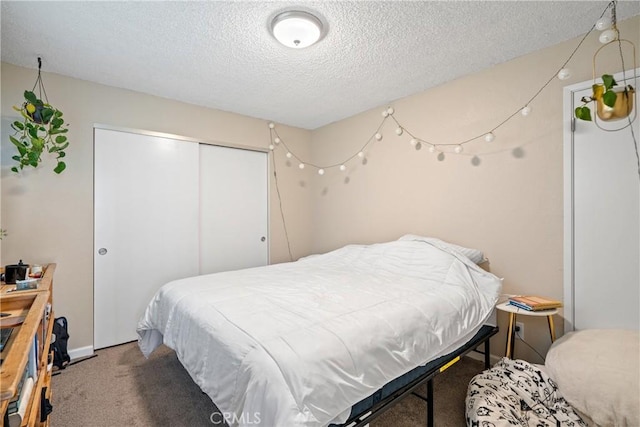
(612, 102)
(622, 107)
(40, 129)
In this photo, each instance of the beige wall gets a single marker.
(50, 218)
(510, 205)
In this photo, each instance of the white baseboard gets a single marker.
(79, 353)
(493, 359)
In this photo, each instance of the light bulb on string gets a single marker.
(458, 149)
(390, 110)
(385, 113)
(289, 155)
(489, 137)
(603, 23)
(301, 165)
(320, 171)
(564, 74)
(526, 111)
(378, 136)
(271, 147)
(361, 154)
(413, 141)
(607, 36)
(399, 131)
(271, 125)
(276, 140)
(343, 168)
(432, 148)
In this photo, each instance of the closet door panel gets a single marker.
(146, 225)
(233, 209)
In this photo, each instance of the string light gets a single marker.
(564, 74)
(607, 36)
(604, 24)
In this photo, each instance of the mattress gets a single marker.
(300, 343)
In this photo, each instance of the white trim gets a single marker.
(79, 353)
(493, 359)
(178, 137)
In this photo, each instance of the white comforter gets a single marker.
(298, 344)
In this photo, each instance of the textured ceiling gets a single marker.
(221, 54)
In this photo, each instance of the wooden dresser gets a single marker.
(32, 336)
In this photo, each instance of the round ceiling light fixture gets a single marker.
(296, 29)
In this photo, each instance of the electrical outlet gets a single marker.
(520, 330)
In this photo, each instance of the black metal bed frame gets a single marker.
(435, 367)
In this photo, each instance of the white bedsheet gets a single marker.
(300, 343)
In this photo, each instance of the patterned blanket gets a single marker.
(516, 393)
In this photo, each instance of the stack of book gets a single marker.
(17, 407)
(534, 303)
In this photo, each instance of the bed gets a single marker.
(301, 343)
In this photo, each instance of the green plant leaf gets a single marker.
(608, 81)
(18, 125)
(33, 131)
(60, 139)
(31, 97)
(60, 167)
(14, 169)
(61, 154)
(609, 98)
(57, 122)
(583, 113)
(47, 114)
(63, 146)
(15, 141)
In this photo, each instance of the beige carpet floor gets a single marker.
(120, 387)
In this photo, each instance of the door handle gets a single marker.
(262, 239)
(102, 251)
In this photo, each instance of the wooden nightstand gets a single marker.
(511, 330)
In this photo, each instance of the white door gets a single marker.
(604, 192)
(233, 208)
(146, 225)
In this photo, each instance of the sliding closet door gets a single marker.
(146, 226)
(233, 209)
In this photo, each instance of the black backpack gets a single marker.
(60, 356)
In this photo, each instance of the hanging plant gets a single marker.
(612, 102)
(41, 130)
